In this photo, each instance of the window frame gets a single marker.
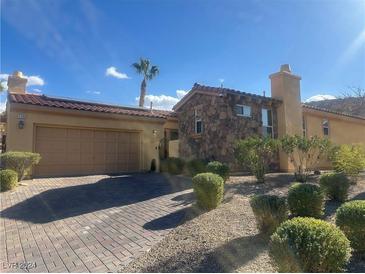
(198, 120)
(265, 127)
(325, 127)
(243, 110)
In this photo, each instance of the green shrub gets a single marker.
(270, 211)
(196, 166)
(256, 154)
(349, 159)
(19, 161)
(305, 200)
(8, 179)
(218, 168)
(309, 245)
(172, 165)
(350, 217)
(209, 190)
(304, 153)
(335, 186)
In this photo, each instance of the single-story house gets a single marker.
(76, 137)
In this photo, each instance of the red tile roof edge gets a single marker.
(332, 111)
(66, 103)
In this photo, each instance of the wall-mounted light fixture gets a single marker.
(154, 132)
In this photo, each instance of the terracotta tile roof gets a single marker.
(332, 111)
(228, 90)
(219, 90)
(45, 101)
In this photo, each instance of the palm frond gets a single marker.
(138, 67)
(154, 71)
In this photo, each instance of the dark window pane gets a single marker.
(269, 117)
(238, 110)
(174, 135)
(199, 127)
(267, 131)
(326, 131)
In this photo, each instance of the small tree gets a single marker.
(304, 153)
(256, 154)
(349, 159)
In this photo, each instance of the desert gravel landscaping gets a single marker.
(226, 239)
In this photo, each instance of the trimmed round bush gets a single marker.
(19, 161)
(270, 211)
(335, 186)
(306, 200)
(8, 179)
(196, 166)
(350, 218)
(219, 168)
(209, 190)
(309, 245)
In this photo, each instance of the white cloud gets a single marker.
(163, 101)
(113, 72)
(93, 92)
(32, 80)
(180, 93)
(36, 90)
(320, 97)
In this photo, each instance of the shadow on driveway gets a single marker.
(60, 203)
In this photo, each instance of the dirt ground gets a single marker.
(226, 239)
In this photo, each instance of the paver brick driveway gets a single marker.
(88, 224)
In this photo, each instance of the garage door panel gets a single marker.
(99, 135)
(73, 134)
(87, 147)
(51, 133)
(51, 146)
(111, 147)
(87, 134)
(74, 151)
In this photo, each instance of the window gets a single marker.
(304, 127)
(198, 126)
(243, 110)
(174, 134)
(267, 122)
(198, 122)
(326, 128)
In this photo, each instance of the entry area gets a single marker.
(70, 151)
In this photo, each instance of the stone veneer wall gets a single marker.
(222, 127)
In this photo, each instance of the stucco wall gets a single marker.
(23, 139)
(342, 129)
(222, 127)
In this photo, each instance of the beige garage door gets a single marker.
(74, 151)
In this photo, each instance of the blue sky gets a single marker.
(68, 45)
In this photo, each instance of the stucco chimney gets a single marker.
(17, 82)
(286, 87)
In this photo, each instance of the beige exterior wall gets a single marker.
(342, 129)
(286, 87)
(24, 139)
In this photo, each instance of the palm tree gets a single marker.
(148, 72)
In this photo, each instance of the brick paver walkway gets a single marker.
(87, 224)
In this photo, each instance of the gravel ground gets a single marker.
(226, 239)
